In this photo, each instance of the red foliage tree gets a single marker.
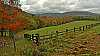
(16, 25)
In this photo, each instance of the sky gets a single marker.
(60, 6)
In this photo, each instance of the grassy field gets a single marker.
(21, 48)
(59, 45)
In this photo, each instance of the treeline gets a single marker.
(46, 21)
(93, 18)
(53, 21)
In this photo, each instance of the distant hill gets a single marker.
(71, 13)
(81, 13)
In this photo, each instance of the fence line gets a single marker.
(37, 37)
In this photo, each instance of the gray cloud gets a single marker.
(89, 4)
(56, 6)
(31, 2)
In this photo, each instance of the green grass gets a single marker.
(97, 29)
(21, 46)
(62, 27)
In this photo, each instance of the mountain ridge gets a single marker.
(70, 13)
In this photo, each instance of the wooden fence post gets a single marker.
(86, 26)
(1, 33)
(66, 29)
(83, 28)
(92, 25)
(5, 33)
(74, 29)
(57, 33)
(80, 28)
(2, 29)
(13, 37)
(35, 39)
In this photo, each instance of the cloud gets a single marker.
(56, 6)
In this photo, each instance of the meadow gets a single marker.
(63, 45)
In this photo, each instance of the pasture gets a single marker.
(67, 44)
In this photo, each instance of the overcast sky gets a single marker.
(59, 6)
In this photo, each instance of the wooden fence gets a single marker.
(36, 38)
(6, 33)
(10, 34)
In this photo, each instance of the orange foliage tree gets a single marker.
(13, 24)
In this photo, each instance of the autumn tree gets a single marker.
(10, 20)
(50, 21)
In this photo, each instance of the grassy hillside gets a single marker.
(62, 27)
